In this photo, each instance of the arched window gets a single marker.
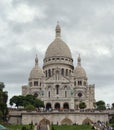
(35, 83)
(49, 94)
(66, 72)
(57, 106)
(66, 106)
(74, 83)
(48, 106)
(65, 93)
(46, 73)
(69, 72)
(52, 71)
(62, 71)
(49, 73)
(57, 89)
(79, 82)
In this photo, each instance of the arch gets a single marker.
(79, 82)
(66, 72)
(69, 72)
(66, 105)
(62, 71)
(36, 94)
(57, 89)
(48, 106)
(65, 94)
(66, 121)
(87, 121)
(44, 122)
(46, 73)
(57, 106)
(49, 94)
(49, 73)
(74, 83)
(53, 71)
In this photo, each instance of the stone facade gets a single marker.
(59, 83)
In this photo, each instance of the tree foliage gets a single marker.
(23, 101)
(112, 120)
(3, 102)
(82, 105)
(100, 105)
(112, 105)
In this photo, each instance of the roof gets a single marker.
(79, 71)
(36, 72)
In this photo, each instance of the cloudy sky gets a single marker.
(27, 27)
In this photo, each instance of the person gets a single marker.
(35, 127)
(38, 127)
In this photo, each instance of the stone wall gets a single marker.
(58, 117)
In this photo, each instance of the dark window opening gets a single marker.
(74, 83)
(49, 73)
(57, 89)
(49, 94)
(35, 83)
(79, 82)
(62, 71)
(65, 93)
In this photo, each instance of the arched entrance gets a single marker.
(87, 121)
(48, 106)
(44, 122)
(66, 121)
(57, 106)
(65, 105)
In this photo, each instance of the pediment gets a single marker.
(57, 78)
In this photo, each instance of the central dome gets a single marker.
(58, 48)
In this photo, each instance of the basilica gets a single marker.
(59, 83)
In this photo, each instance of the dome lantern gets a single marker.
(36, 61)
(58, 30)
(79, 60)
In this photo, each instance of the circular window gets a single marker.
(79, 94)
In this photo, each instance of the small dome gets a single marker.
(58, 47)
(36, 72)
(79, 71)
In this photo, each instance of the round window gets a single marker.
(79, 94)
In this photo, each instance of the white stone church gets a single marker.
(59, 83)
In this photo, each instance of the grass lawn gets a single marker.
(18, 127)
(56, 127)
(72, 127)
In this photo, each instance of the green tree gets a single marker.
(3, 102)
(112, 119)
(25, 101)
(2, 86)
(17, 100)
(112, 105)
(100, 105)
(29, 107)
(82, 105)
